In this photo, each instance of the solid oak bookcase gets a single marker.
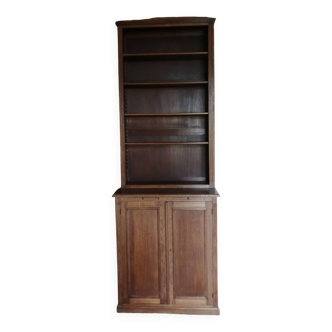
(166, 208)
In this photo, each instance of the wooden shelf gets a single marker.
(166, 114)
(164, 83)
(166, 191)
(169, 143)
(164, 54)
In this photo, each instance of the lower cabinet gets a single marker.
(167, 255)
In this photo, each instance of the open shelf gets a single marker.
(163, 40)
(166, 98)
(166, 129)
(160, 69)
(168, 163)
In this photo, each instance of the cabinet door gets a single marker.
(189, 233)
(142, 260)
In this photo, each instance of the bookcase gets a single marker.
(166, 208)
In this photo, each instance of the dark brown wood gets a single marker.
(164, 163)
(121, 106)
(209, 253)
(214, 253)
(188, 251)
(167, 143)
(211, 105)
(170, 256)
(168, 309)
(167, 129)
(161, 185)
(167, 21)
(160, 70)
(163, 99)
(166, 210)
(184, 192)
(120, 246)
(166, 55)
(167, 114)
(142, 260)
(166, 83)
(184, 39)
(191, 259)
(122, 258)
(142, 242)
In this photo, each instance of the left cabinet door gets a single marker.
(141, 252)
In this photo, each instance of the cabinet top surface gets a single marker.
(166, 192)
(168, 21)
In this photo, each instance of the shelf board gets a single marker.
(164, 54)
(167, 183)
(166, 114)
(165, 83)
(166, 191)
(169, 143)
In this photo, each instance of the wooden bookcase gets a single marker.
(166, 208)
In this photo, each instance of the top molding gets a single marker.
(168, 21)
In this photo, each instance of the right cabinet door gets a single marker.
(189, 252)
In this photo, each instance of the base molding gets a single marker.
(168, 309)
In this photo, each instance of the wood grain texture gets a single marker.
(189, 251)
(215, 253)
(170, 263)
(144, 301)
(199, 301)
(142, 242)
(166, 208)
(208, 240)
(120, 253)
(175, 129)
(168, 310)
(145, 261)
(162, 254)
(123, 256)
(192, 206)
(167, 163)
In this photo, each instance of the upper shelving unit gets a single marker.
(166, 119)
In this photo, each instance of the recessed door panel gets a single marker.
(189, 227)
(142, 232)
(189, 260)
(144, 266)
